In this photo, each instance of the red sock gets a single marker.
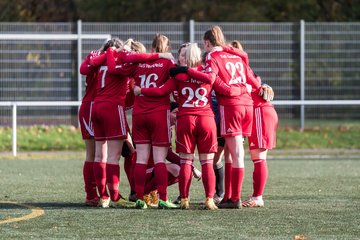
(236, 183)
(208, 177)
(129, 165)
(89, 180)
(173, 157)
(100, 179)
(150, 186)
(228, 176)
(185, 177)
(260, 176)
(140, 178)
(172, 179)
(112, 178)
(161, 180)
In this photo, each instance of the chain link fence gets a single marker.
(47, 70)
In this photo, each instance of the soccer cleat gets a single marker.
(251, 202)
(95, 202)
(209, 204)
(177, 200)
(218, 199)
(132, 197)
(104, 202)
(122, 203)
(147, 199)
(154, 198)
(229, 204)
(184, 203)
(140, 204)
(167, 205)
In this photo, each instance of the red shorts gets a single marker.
(109, 121)
(235, 120)
(264, 128)
(192, 131)
(86, 125)
(152, 128)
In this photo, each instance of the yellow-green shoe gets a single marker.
(167, 205)
(122, 203)
(140, 204)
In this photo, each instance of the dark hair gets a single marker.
(114, 42)
(184, 45)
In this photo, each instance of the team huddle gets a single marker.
(212, 99)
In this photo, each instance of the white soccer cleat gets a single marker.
(104, 202)
(253, 202)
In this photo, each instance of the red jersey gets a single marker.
(258, 100)
(151, 75)
(130, 97)
(91, 76)
(194, 96)
(111, 86)
(233, 71)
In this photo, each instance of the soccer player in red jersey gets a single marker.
(86, 126)
(195, 125)
(151, 122)
(235, 111)
(109, 129)
(262, 138)
(110, 126)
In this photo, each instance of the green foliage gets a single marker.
(38, 138)
(172, 10)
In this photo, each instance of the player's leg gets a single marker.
(100, 171)
(208, 179)
(207, 146)
(219, 174)
(87, 132)
(263, 137)
(236, 149)
(113, 168)
(228, 175)
(185, 178)
(260, 176)
(92, 198)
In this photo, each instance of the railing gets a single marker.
(14, 106)
(305, 63)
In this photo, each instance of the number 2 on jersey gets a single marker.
(199, 97)
(234, 68)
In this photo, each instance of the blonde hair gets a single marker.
(134, 46)
(215, 36)
(237, 44)
(193, 55)
(160, 43)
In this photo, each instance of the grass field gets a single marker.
(314, 198)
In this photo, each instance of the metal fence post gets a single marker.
(14, 128)
(302, 74)
(79, 58)
(192, 30)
